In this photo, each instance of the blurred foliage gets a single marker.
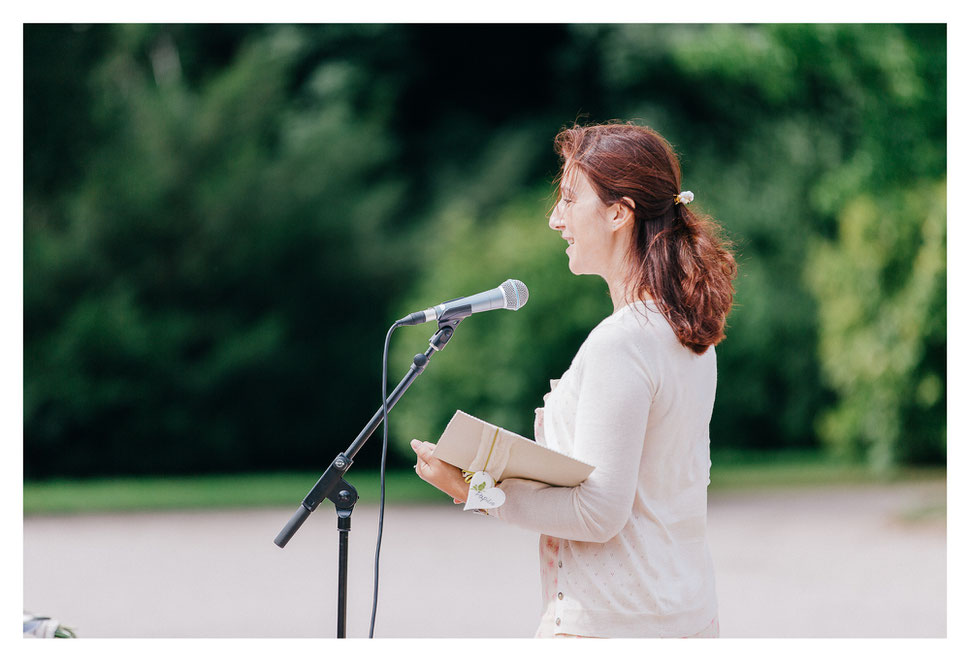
(174, 312)
(220, 222)
(883, 339)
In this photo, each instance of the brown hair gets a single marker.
(678, 257)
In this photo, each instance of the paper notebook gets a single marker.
(472, 444)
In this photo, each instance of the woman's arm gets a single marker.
(611, 411)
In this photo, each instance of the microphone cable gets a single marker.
(380, 518)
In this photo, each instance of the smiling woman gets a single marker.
(624, 553)
(620, 189)
(591, 229)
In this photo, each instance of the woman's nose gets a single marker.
(555, 220)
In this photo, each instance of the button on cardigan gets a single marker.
(630, 542)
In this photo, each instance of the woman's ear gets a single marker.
(623, 212)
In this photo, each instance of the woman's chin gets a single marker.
(574, 265)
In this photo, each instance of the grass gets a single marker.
(730, 472)
(753, 470)
(235, 491)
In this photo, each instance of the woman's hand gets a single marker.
(442, 475)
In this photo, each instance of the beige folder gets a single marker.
(472, 444)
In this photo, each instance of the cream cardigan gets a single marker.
(633, 559)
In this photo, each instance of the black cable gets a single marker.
(380, 518)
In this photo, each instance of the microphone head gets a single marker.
(516, 294)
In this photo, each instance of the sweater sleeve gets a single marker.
(614, 394)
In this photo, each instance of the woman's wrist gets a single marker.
(459, 488)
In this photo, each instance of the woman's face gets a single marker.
(584, 222)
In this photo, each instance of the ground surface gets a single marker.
(807, 562)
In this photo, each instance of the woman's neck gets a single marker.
(620, 277)
(622, 293)
(621, 284)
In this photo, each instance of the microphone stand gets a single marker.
(332, 486)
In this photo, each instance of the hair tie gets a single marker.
(684, 198)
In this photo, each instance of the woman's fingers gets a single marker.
(432, 470)
(424, 451)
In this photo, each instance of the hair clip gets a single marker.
(684, 198)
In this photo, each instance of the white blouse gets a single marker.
(630, 556)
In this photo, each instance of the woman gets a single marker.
(625, 554)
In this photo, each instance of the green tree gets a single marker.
(173, 313)
(882, 288)
(220, 221)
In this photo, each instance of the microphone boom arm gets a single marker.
(332, 478)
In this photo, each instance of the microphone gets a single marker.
(511, 295)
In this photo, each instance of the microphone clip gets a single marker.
(446, 329)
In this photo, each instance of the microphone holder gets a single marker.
(332, 486)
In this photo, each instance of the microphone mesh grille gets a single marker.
(516, 294)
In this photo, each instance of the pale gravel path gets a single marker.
(813, 562)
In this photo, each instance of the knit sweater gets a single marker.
(632, 552)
